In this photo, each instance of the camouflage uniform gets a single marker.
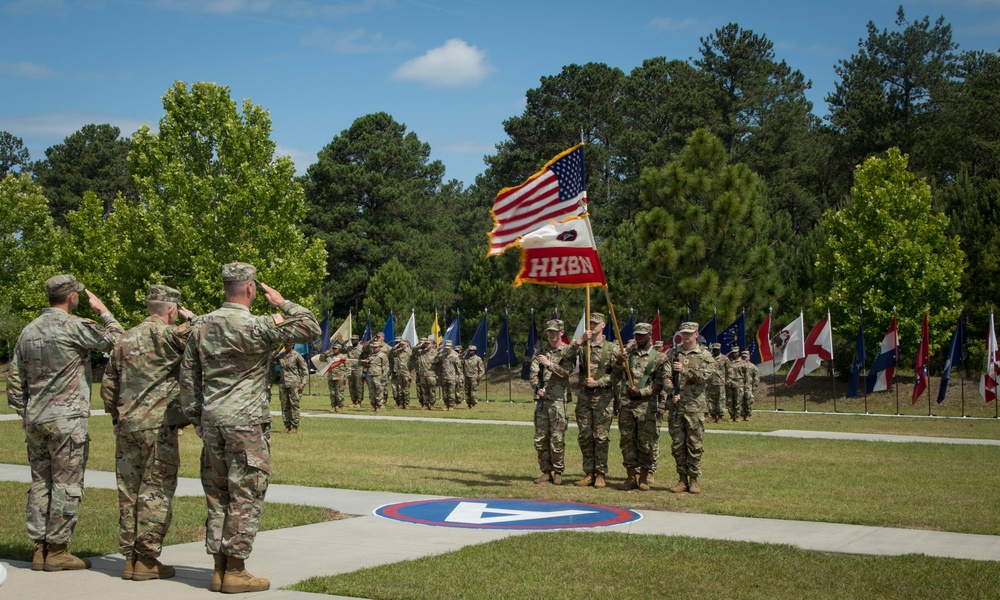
(449, 369)
(356, 373)
(751, 379)
(734, 384)
(140, 392)
(294, 376)
(224, 389)
(474, 370)
(550, 409)
(638, 417)
(336, 378)
(400, 370)
(716, 390)
(687, 422)
(595, 407)
(49, 388)
(425, 363)
(377, 355)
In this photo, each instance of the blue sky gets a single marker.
(451, 70)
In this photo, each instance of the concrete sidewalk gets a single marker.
(286, 556)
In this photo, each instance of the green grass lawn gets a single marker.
(96, 533)
(575, 565)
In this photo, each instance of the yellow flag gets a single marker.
(436, 330)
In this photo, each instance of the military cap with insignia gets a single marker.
(689, 327)
(716, 346)
(643, 329)
(596, 317)
(447, 343)
(734, 349)
(745, 353)
(61, 285)
(554, 325)
(471, 348)
(162, 293)
(238, 271)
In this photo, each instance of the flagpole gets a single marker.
(510, 391)
(965, 364)
(893, 382)
(588, 339)
(864, 377)
(618, 334)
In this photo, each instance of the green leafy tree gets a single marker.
(374, 194)
(13, 154)
(93, 159)
(890, 248)
(393, 289)
(703, 234)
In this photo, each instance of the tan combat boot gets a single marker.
(650, 479)
(294, 430)
(631, 480)
(681, 486)
(129, 568)
(556, 478)
(643, 481)
(543, 478)
(149, 568)
(599, 480)
(586, 481)
(59, 559)
(237, 580)
(219, 571)
(693, 486)
(38, 556)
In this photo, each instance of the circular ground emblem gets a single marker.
(491, 513)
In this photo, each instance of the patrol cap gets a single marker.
(596, 317)
(554, 325)
(643, 329)
(658, 344)
(471, 348)
(734, 349)
(354, 338)
(745, 353)
(62, 285)
(688, 327)
(447, 343)
(716, 346)
(458, 347)
(430, 339)
(162, 293)
(238, 271)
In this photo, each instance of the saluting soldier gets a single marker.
(400, 372)
(751, 379)
(356, 372)
(336, 376)
(695, 368)
(734, 383)
(49, 388)
(551, 366)
(140, 392)
(225, 393)
(425, 364)
(449, 369)
(474, 370)
(595, 400)
(294, 376)
(717, 387)
(376, 357)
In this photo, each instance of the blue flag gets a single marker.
(708, 331)
(628, 330)
(324, 336)
(954, 358)
(860, 358)
(367, 335)
(453, 333)
(734, 335)
(609, 334)
(503, 347)
(389, 331)
(479, 340)
(529, 348)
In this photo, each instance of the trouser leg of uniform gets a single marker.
(585, 433)
(550, 439)
(628, 430)
(543, 443)
(153, 510)
(448, 392)
(648, 436)
(656, 444)
(285, 393)
(686, 434)
(332, 385)
(733, 401)
(57, 453)
(236, 467)
(471, 392)
(129, 461)
(747, 407)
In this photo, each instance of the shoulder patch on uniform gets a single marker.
(182, 327)
(278, 318)
(86, 320)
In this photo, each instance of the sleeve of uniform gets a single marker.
(110, 387)
(294, 324)
(703, 372)
(16, 385)
(303, 369)
(191, 397)
(178, 336)
(607, 380)
(100, 337)
(564, 363)
(535, 366)
(657, 377)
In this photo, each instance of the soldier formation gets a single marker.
(212, 371)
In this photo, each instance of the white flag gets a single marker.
(991, 365)
(788, 345)
(818, 347)
(410, 333)
(343, 333)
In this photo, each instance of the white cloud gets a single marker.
(452, 65)
(357, 41)
(669, 24)
(302, 159)
(61, 124)
(25, 69)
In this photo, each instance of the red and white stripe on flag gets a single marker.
(818, 347)
(990, 378)
(561, 254)
(557, 191)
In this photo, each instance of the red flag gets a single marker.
(561, 254)
(923, 358)
(760, 347)
(988, 381)
(818, 347)
(557, 191)
(655, 335)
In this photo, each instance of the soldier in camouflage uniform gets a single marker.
(336, 377)
(140, 392)
(751, 379)
(551, 366)
(376, 357)
(696, 371)
(734, 383)
(449, 370)
(49, 388)
(425, 364)
(594, 400)
(459, 385)
(717, 387)
(641, 409)
(225, 393)
(356, 372)
(400, 372)
(294, 376)
(474, 370)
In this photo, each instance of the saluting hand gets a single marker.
(273, 296)
(95, 303)
(187, 314)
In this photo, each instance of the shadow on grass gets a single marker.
(486, 479)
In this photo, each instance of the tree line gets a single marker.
(713, 186)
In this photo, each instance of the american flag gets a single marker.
(557, 191)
